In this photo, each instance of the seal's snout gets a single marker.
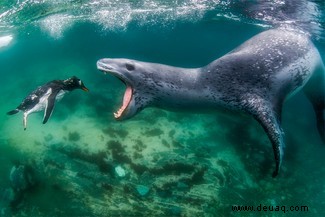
(103, 65)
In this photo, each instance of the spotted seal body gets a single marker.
(256, 78)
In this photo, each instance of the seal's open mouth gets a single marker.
(106, 69)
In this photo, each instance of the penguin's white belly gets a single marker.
(41, 105)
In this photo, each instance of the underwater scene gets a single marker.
(86, 162)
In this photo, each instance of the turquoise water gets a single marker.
(175, 164)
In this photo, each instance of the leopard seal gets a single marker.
(255, 78)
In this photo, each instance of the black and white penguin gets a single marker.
(43, 98)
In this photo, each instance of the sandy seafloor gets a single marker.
(176, 164)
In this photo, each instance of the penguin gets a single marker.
(44, 97)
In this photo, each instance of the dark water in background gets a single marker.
(192, 164)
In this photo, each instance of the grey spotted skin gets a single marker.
(256, 78)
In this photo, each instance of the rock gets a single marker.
(182, 186)
(142, 190)
(6, 196)
(120, 172)
(175, 211)
(48, 138)
(21, 178)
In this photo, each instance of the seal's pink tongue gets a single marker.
(127, 97)
(126, 100)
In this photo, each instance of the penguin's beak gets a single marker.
(84, 88)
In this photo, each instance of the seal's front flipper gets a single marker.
(315, 91)
(321, 122)
(319, 108)
(49, 107)
(265, 114)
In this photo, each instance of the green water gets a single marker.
(192, 164)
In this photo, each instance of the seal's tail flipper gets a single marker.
(321, 122)
(12, 112)
(315, 91)
(269, 118)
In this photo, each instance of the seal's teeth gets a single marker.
(118, 113)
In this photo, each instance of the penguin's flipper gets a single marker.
(12, 112)
(49, 107)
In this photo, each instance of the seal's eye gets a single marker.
(129, 66)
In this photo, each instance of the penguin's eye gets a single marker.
(129, 66)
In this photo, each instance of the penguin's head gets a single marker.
(74, 83)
